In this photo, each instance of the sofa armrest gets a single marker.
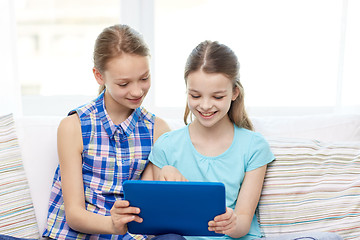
(312, 186)
(37, 138)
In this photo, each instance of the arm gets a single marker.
(167, 173)
(237, 223)
(160, 127)
(70, 148)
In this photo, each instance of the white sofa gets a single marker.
(288, 203)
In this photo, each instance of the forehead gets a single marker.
(127, 66)
(201, 81)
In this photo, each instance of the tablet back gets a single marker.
(183, 208)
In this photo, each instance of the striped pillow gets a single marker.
(312, 186)
(17, 217)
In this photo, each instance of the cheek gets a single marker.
(227, 109)
(146, 86)
(117, 92)
(227, 104)
(191, 104)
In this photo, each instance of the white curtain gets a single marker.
(10, 96)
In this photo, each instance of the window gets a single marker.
(288, 50)
(55, 40)
(296, 57)
(351, 73)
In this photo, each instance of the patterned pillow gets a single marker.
(312, 186)
(17, 217)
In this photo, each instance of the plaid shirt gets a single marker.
(111, 155)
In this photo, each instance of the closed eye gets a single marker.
(145, 76)
(123, 84)
(194, 96)
(220, 97)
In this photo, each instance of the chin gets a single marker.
(135, 105)
(207, 123)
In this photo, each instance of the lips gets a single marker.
(207, 115)
(136, 100)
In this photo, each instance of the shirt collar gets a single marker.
(126, 127)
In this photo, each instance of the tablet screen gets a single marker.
(183, 208)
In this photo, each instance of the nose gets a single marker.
(206, 104)
(136, 91)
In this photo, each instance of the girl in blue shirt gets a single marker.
(218, 144)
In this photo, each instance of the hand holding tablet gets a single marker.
(183, 208)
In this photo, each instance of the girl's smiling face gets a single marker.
(127, 81)
(210, 96)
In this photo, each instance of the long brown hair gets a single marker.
(114, 41)
(213, 57)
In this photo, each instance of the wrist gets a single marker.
(242, 226)
(116, 228)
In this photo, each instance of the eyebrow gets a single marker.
(145, 73)
(127, 78)
(217, 92)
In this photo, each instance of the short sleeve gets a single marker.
(158, 153)
(259, 153)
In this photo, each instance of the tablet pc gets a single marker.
(183, 208)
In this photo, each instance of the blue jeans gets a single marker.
(160, 237)
(298, 236)
(305, 236)
(4, 237)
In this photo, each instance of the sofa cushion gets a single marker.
(312, 186)
(17, 217)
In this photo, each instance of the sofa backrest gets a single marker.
(324, 127)
(37, 138)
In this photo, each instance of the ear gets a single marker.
(236, 93)
(98, 76)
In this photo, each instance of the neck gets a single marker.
(117, 112)
(219, 129)
(214, 140)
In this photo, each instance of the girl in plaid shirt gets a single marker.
(104, 143)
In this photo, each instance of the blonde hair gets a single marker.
(213, 57)
(114, 41)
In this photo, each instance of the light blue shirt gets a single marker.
(248, 151)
